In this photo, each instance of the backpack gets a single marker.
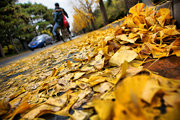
(60, 18)
(65, 22)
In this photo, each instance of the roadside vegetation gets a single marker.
(19, 23)
(94, 14)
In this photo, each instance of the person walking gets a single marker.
(58, 19)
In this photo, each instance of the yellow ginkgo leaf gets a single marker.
(129, 22)
(109, 95)
(172, 115)
(161, 20)
(150, 89)
(129, 85)
(132, 35)
(132, 90)
(58, 101)
(150, 20)
(108, 38)
(104, 108)
(125, 38)
(82, 85)
(176, 50)
(69, 64)
(165, 12)
(131, 71)
(122, 55)
(137, 8)
(42, 109)
(77, 75)
(54, 72)
(159, 53)
(172, 98)
(124, 113)
(81, 114)
(99, 64)
(103, 87)
(94, 117)
(93, 80)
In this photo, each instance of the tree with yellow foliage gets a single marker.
(87, 6)
(81, 20)
(84, 13)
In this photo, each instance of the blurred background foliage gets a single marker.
(19, 23)
(115, 9)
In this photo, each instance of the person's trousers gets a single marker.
(56, 25)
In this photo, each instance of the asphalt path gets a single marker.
(9, 60)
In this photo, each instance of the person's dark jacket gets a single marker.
(58, 16)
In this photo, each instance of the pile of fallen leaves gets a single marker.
(98, 76)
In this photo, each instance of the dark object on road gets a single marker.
(40, 41)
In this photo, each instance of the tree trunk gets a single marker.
(23, 43)
(7, 44)
(12, 42)
(92, 19)
(8, 48)
(109, 2)
(2, 51)
(93, 24)
(131, 3)
(103, 11)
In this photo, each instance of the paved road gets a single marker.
(7, 61)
